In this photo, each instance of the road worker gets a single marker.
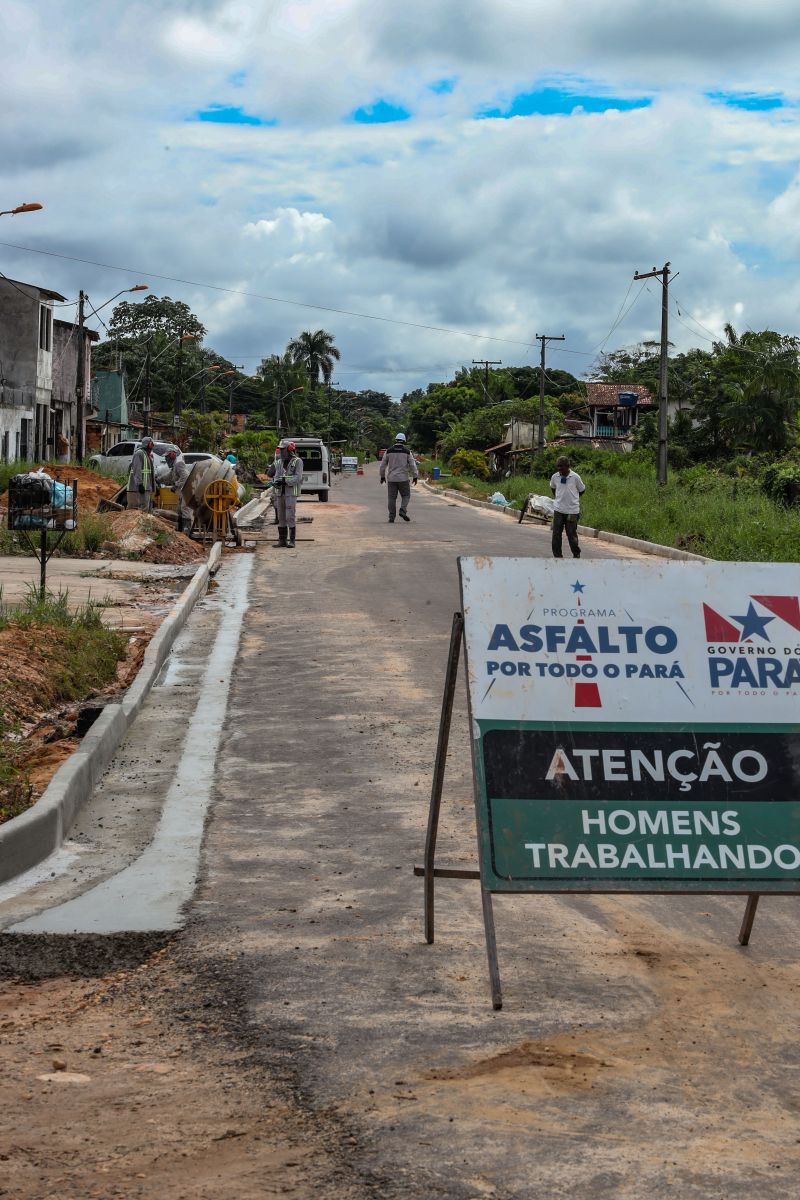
(178, 474)
(286, 474)
(399, 470)
(142, 476)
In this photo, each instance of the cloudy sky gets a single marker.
(494, 168)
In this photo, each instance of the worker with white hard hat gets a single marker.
(398, 467)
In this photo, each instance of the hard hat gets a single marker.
(291, 447)
(401, 437)
(147, 443)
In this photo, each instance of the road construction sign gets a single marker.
(634, 725)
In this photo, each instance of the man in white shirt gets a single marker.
(567, 487)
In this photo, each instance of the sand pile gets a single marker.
(149, 539)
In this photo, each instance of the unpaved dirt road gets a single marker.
(639, 1052)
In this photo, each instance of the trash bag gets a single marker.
(499, 498)
(33, 490)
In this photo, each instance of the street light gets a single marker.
(12, 212)
(79, 385)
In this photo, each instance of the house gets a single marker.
(109, 421)
(39, 358)
(615, 408)
(63, 394)
(26, 369)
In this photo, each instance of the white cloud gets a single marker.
(500, 227)
(289, 224)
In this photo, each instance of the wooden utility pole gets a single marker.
(486, 363)
(80, 382)
(544, 338)
(663, 275)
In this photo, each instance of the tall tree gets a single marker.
(317, 353)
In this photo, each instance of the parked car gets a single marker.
(381, 453)
(117, 459)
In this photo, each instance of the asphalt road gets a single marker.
(639, 1052)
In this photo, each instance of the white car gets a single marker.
(118, 458)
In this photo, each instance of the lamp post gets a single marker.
(33, 206)
(79, 384)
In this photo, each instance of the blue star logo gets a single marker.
(577, 586)
(752, 623)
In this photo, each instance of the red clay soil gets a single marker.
(29, 700)
(151, 539)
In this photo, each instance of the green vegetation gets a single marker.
(724, 515)
(68, 656)
(92, 531)
(469, 462)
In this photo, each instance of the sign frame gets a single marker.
(430, 871)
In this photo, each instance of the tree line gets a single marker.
(741, 397)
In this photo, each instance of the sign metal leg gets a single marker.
(451, 675)
(747, 920)
(491, 949)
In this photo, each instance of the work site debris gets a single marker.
(92, 487)
(149, 539)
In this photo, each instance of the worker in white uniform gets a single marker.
(179, 471)
(286, 474)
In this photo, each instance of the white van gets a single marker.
(316, 472)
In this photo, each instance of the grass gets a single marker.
(92, 530)
(699, 510)
(74, 656)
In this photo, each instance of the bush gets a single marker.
(781, 482)
(469, 462)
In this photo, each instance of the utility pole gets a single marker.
(146, 399)
(230, 397)
(177, 403)
(663, 378)
(544, 338)
(80, 381)
(486, 363)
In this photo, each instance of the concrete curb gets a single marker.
(27, 839)
(618, 539)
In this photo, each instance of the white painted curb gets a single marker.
(618, 539)
(27, 839)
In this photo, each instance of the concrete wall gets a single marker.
(25, 368)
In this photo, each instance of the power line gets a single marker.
(214, 287)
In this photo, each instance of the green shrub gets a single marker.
(469, 462)
(781, 482)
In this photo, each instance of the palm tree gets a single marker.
(316, 352)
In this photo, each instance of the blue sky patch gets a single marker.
(379, 113)
(229, 114)
(751, 101)
(237, 79)
(443, 87)
(553, 101)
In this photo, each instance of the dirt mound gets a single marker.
(150, 539)
(92, 487)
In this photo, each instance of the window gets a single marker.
(121, 449)
(45, 327)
